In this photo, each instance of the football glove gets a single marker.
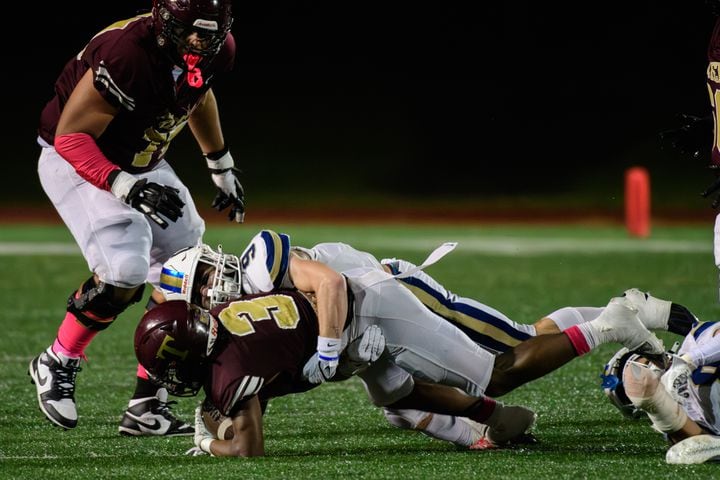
(203, 438)
(676, 378)
(150, 198)
(693, 137)
(230, 192)
(323, 365)
(362, 351)
(195, 452)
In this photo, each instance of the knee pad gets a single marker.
(95, 306)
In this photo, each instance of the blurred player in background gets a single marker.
(118, 104)
(205, 277)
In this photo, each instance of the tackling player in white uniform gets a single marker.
(265, 266)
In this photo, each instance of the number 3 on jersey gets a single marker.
(238, 317)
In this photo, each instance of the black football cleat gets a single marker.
(151, 416)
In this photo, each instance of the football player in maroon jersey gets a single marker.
(697, 135)
(255, 349)
(118, 104)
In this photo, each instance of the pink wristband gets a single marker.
(81, 151)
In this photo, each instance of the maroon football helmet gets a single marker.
(173, 342)
(174, 20)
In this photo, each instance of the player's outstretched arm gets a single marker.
(330, 291)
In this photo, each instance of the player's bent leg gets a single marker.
(459, 431)
(485, 325)
(506, 423)
(543, 354)
(418, 340)
(528, 361)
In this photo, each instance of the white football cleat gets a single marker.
(619, 322)
(653, 312)
(54, 377)
(697, 449)
(508, 423)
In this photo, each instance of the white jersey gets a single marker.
(265, 261)
(265, 265)
(419, 341)
(703, 345)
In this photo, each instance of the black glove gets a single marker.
(153, 199)
(228, 182)
(150, 198)
(693, 137)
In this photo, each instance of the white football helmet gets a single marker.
(186, 271)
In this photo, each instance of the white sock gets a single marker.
(566, 317)
(591, 336)
(443, 427)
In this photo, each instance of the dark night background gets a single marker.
(471, 102)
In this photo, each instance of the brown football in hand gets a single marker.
(217, 424)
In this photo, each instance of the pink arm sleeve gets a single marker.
(81, 151)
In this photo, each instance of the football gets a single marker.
(217, 423)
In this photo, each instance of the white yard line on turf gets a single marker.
(494, 245)
(545, 246)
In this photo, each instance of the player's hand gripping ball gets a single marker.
(217, 424)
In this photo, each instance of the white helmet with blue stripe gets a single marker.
(184, 274)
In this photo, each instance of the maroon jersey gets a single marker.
(713, 83)
(269, 337)
(132, 73)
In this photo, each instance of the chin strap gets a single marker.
(194, 74)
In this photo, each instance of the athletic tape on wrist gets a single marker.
(205, 445)
(222, 164)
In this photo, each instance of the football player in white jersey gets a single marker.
(679, 393)
(205, 277)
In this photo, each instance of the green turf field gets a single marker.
(333, 432)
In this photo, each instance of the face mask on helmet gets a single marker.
(173, 342)
(185, 274)
(196, 27)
